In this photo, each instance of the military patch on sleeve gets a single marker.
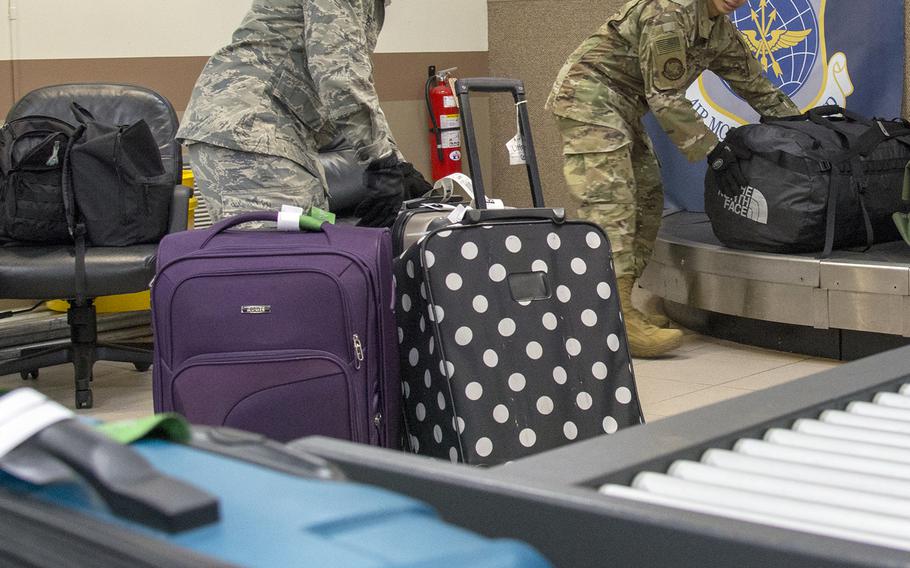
(669, 56)
(674, 69)
(667, 44)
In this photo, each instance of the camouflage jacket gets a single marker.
(645, 57)
(296, 73)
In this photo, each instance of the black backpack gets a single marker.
(102, 182)
(816, 182)
(33, 200)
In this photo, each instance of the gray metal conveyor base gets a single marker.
(848, 306)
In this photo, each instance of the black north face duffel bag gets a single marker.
(796, 167)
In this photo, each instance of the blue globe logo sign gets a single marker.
(782, 35)
(787, 37)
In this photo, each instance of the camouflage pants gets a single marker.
(617, 180)
(232, 181)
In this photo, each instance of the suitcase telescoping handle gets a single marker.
(130, 486)
(463, 88)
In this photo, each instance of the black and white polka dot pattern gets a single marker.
(489, 378)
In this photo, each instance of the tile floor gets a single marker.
(703, 371)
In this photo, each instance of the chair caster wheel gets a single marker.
(84, 399)
(26, 375)
(142, 367)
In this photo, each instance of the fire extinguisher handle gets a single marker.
(463, 88)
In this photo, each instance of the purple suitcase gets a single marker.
(288, 334)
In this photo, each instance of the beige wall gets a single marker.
(69, 29)
(6, 69)
(531, 39)
(163, 45)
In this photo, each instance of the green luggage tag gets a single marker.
(321, 215)
(313, 219)
(169, 426)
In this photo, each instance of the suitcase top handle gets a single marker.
(242, 218)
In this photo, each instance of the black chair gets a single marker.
(48, 272)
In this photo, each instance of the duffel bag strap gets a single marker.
(859, 187)
(870, 235)
(872, 137)
(81, 284)
(830, 215)
(844, 169)
(69, 196)
(76, 228)
(820, 113)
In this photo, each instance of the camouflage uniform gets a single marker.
(644, 58)
(296, 74)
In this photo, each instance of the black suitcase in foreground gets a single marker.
(511, 333)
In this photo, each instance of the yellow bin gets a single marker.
(137, 301)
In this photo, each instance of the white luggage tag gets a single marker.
(289, 218)
(457, 214)
(447, 188)
(449, 185)
(516, 146)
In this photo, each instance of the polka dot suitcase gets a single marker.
(510, 329)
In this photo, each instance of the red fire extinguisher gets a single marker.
(445, 124)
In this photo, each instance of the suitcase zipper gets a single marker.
(358, 351)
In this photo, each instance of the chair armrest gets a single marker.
(179, 208)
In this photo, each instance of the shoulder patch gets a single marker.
(669, 56)
(667, 43)
(674, 69)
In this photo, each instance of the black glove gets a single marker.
(385, 193)
(414, 182)
(723, 161)
(389, 183)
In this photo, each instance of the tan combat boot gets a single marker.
(645, 339)
(658, 320)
